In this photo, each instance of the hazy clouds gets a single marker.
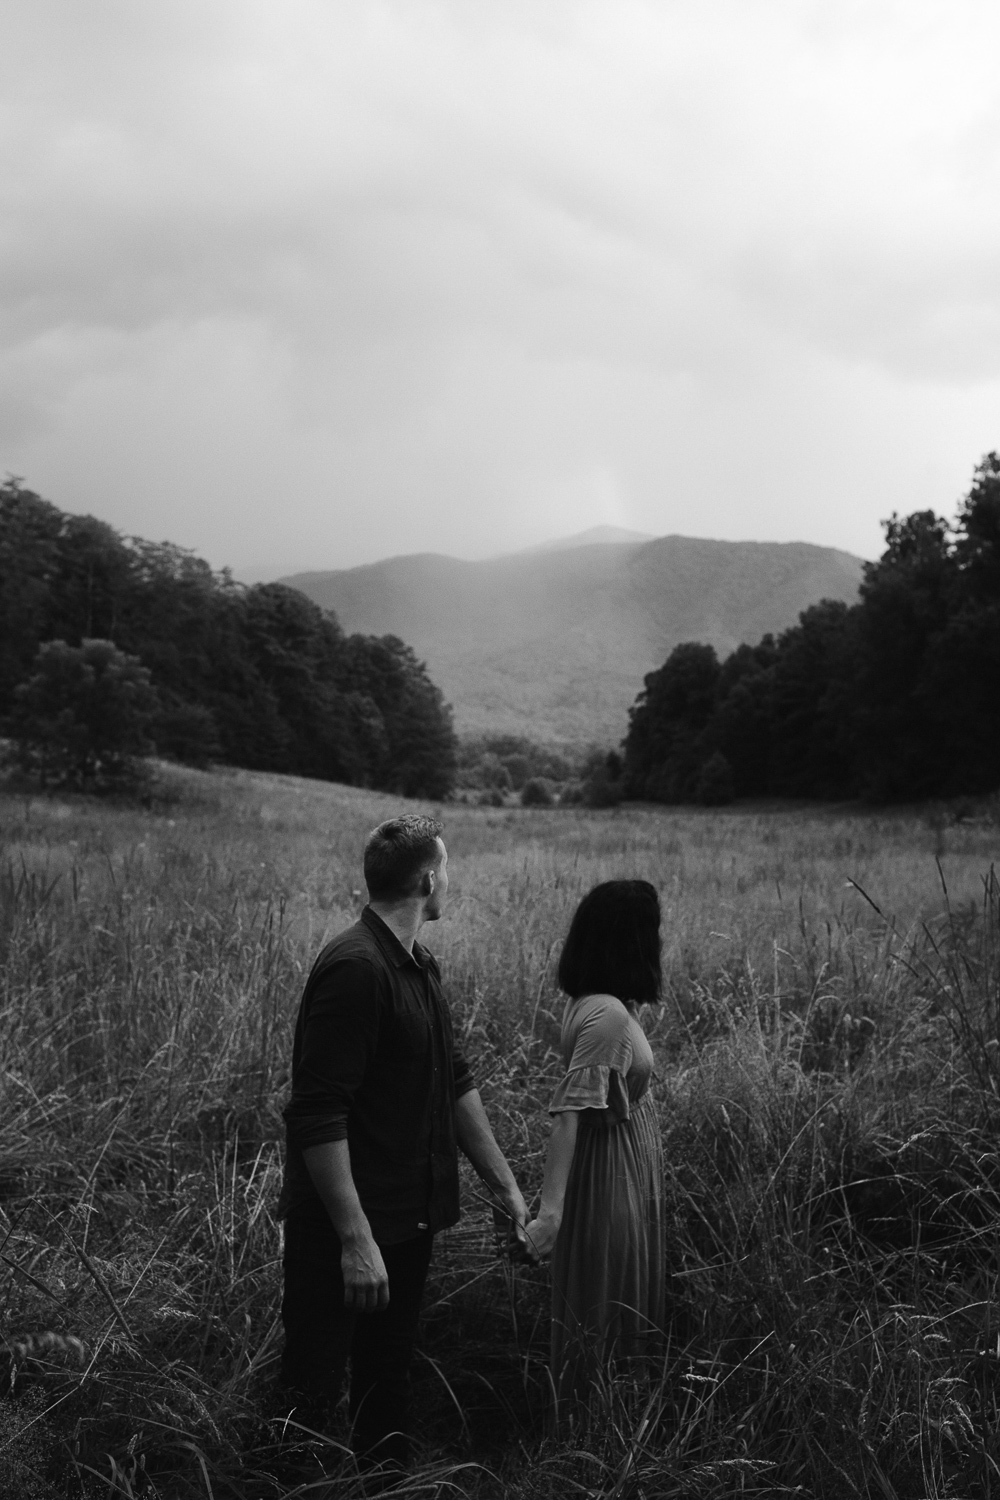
(312, 282)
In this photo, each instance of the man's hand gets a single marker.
(510, 1214)
(366, 1283)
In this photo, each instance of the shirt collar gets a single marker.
(389, 942)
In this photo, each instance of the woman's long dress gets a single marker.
(608, 1265)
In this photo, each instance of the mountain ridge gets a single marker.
(594, 536)
(554, 642)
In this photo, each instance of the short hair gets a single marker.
(396, 853)
(613, 943)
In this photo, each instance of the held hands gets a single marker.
(540, 1235)
(366, 1282)
(524, 1242)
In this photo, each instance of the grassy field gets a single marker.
(828, 1087)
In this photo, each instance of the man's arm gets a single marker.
(340, 1033)
(477, 1140)
(366, 1284)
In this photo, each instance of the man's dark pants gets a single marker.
(320, 1333)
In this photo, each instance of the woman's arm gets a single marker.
(541, 1232)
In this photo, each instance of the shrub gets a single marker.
(518, 768)
(603, 792)
(536, 793)
(603, 783)
(81, 719)
(493, 773)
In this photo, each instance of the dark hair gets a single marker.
(613, 943)
(397, 852)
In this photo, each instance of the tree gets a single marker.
(91, 583)
(809, 750)
(81, 719)
(714, 786)
(977, 547)
(29, 549)
(906, 599)
(897, 696)
(295, 654)
(186, 732)
(420, 752)
(664, 748)
(259, 677)
(961, 676)
(960, 691)
(740, 728)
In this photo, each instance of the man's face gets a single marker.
(435, 901)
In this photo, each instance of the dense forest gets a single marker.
(896, 698)
(254, 676)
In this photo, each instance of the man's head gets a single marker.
(405, 860)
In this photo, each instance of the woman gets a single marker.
(601, 1213)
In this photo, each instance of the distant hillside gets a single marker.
(555, 643)
(596, 536)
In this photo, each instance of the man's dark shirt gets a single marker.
(374, 1061)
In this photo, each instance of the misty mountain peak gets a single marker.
(554, 642)
(594, 536)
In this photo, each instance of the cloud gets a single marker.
(318, 282)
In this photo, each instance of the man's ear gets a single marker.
(428, 880)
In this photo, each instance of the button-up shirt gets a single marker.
(374, 1062)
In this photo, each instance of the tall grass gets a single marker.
(828, 1085)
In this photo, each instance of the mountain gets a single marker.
(596, 536)
(554, 643)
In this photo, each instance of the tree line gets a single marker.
(895, 698)
(256, 676)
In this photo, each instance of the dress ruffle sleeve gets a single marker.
(594, 1087)
(598, 1053)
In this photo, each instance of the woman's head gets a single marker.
(613, 944)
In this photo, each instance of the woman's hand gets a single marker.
(540, 1236)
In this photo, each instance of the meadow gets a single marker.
(828, 1076)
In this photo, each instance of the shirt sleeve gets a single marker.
(339, 1036)
(461, 1072)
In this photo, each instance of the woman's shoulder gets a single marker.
(597, 1013)
(600, 1002)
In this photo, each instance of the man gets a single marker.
(381, 1100)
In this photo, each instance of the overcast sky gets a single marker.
(305, 283)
